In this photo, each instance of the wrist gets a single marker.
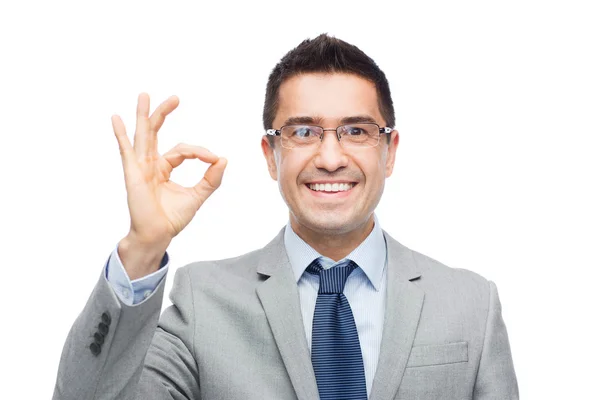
(140, 258)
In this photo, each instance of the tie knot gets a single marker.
(332, 280)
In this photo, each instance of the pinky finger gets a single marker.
(125, 147)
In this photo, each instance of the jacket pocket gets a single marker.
(438, 354)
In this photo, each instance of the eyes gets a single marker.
(307, 131)
(352, 135)
(354, 130)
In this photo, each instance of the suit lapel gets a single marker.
(404, 301)
(280, 300)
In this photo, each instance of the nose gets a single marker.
(330, 154)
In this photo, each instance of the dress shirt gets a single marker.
(365, 288)
(136, 291)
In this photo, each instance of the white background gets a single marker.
(497, 171)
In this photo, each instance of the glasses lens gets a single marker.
(360, 135)
(300, 135)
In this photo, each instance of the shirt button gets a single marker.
(126, 293)
(147, 293)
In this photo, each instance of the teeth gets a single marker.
(331, 187)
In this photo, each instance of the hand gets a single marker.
(159, 208)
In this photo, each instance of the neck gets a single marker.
(335, 245)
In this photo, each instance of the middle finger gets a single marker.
(157, 119)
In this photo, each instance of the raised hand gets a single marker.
(158, 207)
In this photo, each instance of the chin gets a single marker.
(329, 222)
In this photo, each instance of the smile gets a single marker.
(331, 187)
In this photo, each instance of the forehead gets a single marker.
(328, 97)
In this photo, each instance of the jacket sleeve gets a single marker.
(133, 292)
(116, 351)
(496, 377)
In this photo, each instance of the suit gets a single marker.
(235, 331)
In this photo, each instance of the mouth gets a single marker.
(331, 189)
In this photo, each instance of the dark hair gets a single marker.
(327, 54)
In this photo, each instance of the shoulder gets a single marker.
(242, 267)
(219, 285)
(439, 279)
(453, 291)
(436, 271)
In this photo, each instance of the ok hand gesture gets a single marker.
(158, 207)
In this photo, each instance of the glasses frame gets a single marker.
(382, 130)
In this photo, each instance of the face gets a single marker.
(326, 99)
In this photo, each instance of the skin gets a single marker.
(332, 225)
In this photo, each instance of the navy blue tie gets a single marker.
(336, 356)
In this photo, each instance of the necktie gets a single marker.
(336, 356)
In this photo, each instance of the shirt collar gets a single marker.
(370, 255)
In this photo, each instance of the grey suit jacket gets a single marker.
(235, 331)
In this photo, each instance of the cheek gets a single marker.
(289, 166)
(375, 177)
(373, 166)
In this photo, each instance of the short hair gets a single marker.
(327, 54)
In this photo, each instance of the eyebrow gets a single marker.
(354, 119)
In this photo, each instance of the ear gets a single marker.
(391, 153)
(268, 152)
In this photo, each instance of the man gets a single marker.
(332, 308)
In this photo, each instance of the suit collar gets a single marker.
(274, 252)
(280, 300)
(273, 258)
(402, 258)
(279, 297)
(404, 301)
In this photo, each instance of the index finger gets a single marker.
(158, 116)
(182, 151)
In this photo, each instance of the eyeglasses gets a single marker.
(352, 135)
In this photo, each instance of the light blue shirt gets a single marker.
(365, 290)
(365, 287)
(136, 291)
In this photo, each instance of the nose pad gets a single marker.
(335, 135)
(331, 156)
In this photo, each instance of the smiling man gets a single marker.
(331, 178)
(332, 308)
